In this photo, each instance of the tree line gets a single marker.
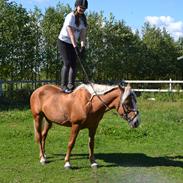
(28, 47)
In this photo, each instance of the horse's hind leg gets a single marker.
(38, 136)
(47, 125)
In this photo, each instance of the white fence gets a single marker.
(138, 85)
(170, 85)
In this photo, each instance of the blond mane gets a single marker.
(96, 89)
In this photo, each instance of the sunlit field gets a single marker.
(151, 153)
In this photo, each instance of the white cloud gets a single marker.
(175, 28)
(40, 1)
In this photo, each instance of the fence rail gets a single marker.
(138, 85)
(169, 88)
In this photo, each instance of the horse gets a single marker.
(83, 108)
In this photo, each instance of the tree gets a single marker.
(179, 46)
(36, 42)
(161, 48)
(16, 42)
(51, 24)
(112, 48)
(28, 42)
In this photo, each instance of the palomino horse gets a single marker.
(83, 108)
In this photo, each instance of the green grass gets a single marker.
(152, 153)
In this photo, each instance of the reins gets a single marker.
(91, 84)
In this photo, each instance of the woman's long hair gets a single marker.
(77, 18)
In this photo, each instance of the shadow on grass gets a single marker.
(127, 159)
(138, 160)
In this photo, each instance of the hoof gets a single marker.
(43, 161)
(94, 165)
(67, 165)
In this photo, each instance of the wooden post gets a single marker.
(170, 85)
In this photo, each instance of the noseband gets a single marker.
(126, 113)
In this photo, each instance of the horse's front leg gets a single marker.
(91, 148)
(74, 132)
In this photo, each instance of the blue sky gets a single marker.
(161, 13)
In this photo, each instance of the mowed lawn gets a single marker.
(152, 153)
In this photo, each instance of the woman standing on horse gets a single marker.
(74, 28)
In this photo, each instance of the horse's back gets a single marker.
(60, 107)
(42, 94)
(51, 95)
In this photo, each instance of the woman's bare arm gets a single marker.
(72, 36)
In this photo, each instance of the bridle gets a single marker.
(127, 111)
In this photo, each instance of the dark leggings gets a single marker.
(68, 72)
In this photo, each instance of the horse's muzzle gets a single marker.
(135, 122)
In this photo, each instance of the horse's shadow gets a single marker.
(139, 160)
(127, 159)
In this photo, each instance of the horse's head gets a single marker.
(128, 106)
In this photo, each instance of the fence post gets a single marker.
(170, 85)
(1, 87)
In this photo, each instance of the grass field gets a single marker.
(153, 153)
